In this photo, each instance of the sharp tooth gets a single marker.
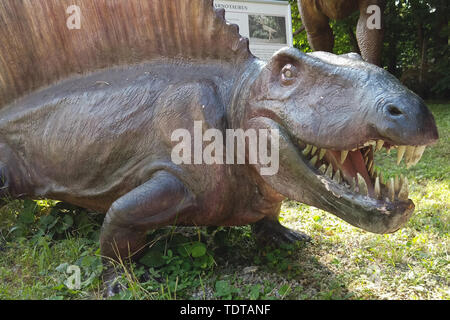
(396, 184)
(377, 188)
(353, 185)
(391, 191)
(313, 151)
(418, 152)
(337, 176)
(323, 168)
(370, 143)
(343, 155)
(307, 149)
(322, 153)
(362, 185)
(329, 172)
(388, 151)
(301, 144)
(372, 172)
(409, 155)
(366, 160)
(403, 193)
(370, 165)
(366, 152)
(380, 144)
(313, 160)
(400, 153)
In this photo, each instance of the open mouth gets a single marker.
(355, 169)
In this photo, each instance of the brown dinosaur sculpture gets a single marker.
(316, 15)
(87, 117)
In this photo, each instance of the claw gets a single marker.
(269, 232)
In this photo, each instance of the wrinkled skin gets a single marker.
(341, 115)
(95, 128)
(120, 161)
(316, 15)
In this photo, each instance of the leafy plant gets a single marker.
(175, 265)
(55, 220)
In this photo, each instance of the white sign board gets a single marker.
(268, 24)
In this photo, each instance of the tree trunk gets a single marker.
(422, 46)
(392, 57)
(353, 40)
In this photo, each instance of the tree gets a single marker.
(416, 43)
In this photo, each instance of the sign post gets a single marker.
(267, 23)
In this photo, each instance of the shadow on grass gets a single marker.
(285, 272)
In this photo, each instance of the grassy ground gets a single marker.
(38, 243)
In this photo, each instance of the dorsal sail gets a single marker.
(37, 48)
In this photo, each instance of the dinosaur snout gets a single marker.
(407, 121)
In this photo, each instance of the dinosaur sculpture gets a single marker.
(269, 30)
(87, 117)
(316, 15)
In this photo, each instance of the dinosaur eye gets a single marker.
(288, 74)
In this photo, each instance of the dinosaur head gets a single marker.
(333, 112)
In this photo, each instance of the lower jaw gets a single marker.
(369, 214)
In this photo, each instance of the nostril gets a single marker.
(394, 111)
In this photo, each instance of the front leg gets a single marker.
(269, 231)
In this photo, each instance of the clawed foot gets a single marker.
(111, 281)
(271, 232)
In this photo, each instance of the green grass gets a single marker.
(341, 262)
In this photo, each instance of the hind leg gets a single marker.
(156, 203)
(317, 24)
(4, 185)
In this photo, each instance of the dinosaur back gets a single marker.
(37, 48)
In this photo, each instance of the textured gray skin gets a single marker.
(101, 140)
(74, 142)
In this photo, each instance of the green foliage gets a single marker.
(56, 220)
(173, 266)
(342, 262)
(225, 290)
(91, 270)
(415, 47)
(300, 39)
